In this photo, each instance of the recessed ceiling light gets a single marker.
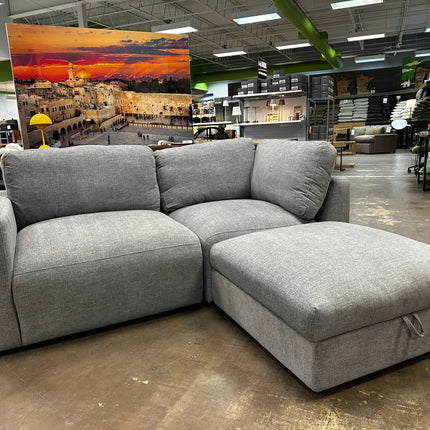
(174, 28)
(358, 36)
(370, 58)
(425, 53)
(254, 16)
(292, 45)
(229, 52)
(353, 3)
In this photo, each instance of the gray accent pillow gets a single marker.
(204, 172)
(359, 131)
(51, 183)
(293, 174)
(375, 129)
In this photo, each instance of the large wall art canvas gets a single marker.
(101, 86)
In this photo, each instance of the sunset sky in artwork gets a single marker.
(44, 52)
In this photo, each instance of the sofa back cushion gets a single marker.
(293, 174)
(359, 131)
(51, 183)
(218, 170)
(375, 129)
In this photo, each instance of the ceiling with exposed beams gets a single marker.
(403, 21)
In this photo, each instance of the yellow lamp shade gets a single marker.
(40, 120)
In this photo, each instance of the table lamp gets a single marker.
(236, 112)
(281, 104)
(41, 121)
(225, 106)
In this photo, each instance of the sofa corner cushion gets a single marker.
(293, 174)
(83, 179)
(216, 221)
(218, 170)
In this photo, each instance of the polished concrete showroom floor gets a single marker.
(196, 369)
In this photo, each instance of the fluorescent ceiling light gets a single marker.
(362, 36)
(174, 28)
(370, 58)
(354, 3)
(425, 53)
(291, 45)
(229, 52)
(253, 16)
(427, 30)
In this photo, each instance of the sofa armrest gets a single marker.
(9, 329)
(337, 201)
(386, 142)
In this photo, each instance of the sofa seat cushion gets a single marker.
(216, 221)
(316, 282)
(294, 175)
(217, 170)
(85, 271)
(367, 138)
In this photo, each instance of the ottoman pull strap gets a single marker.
(409, 321)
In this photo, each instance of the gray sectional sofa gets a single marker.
(93, 236)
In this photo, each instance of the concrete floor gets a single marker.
(196, 369)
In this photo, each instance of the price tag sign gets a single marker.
(262, 69)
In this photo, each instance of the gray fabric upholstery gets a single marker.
(375, 129)
(294, 175)
(86, 271)
(217, 221)
(9, 329)
(69, 181)
(218, 170)
(325, 364)
(359, 131)
(383, 275)
(336, 205)
(365, 138)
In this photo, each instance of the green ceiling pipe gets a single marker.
(309, 66)
(290, 10)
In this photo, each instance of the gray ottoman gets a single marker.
(331, 301)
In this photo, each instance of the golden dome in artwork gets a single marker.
(83, 74)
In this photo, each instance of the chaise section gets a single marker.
(86, 271)
(327, 325)
(216, 221)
